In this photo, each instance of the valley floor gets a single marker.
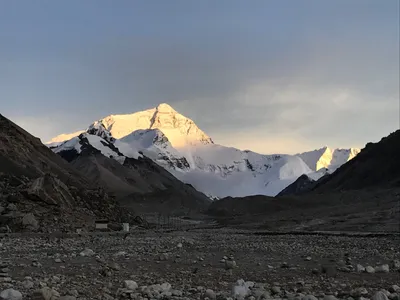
(189, 265)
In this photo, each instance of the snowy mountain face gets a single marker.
(177, 144)
(326, 158)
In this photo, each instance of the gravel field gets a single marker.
(213, 264)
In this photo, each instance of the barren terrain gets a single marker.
(200, 264)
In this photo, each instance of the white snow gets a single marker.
(328, 158)
(177, 144)
(59, 139)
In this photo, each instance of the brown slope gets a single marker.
(35, 180)
(23, 154)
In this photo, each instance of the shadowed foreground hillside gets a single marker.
(40, 191)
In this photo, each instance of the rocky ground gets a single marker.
(213, 264)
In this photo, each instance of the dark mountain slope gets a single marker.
(362, 195)
(140, 184)
(376, 166)
(36, 182)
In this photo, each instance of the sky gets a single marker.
(280, 76)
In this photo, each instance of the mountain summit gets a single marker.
(175, 142)
(179, 130)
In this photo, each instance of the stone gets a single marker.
(27, 284)
(240, 290)
(358, 292)
(11, 294)
(179, 245)
(360, 268)
(382, 269)
(30, 221)
(308, 258)
(11, 207)
(309, 297)
(46, 293)
(87, 252)
(396, 264)
(230, 264)
(163, 256)
(369, 269)
(394, 289)
(210, 294)
(276, 290)
(330, 297)
(379, 296)
(130, 285)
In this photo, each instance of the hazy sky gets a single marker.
(271, 76)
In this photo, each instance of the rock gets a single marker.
(27, 284)
(163, 257)
(309, 297)
(114, 266)
(394, 289)
(46, 293)
(382, 269)
(179, 245)
(210, 294)
(58, 260)
(360, 268)
(240, 290)
(120, 253)
(276, 290)
(130, 285)
(29, 221)
(358, 292)
(11, 294)
(396, 264)
(87, 252)
(379, 296)
(230, 264)
(11, 207)
(330, 297)
(370, 269)
(308, 258)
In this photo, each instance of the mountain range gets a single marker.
(175, 143)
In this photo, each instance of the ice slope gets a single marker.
(326, 158)
(107, 149)
(177, 144)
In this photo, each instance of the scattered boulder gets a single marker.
(382, 269)
(46, 293)
(210, 294)
(360, 268)
(370, 269)
(230, 264)
(379, 296)
(11, 294)
(130, 285)
(29, 221)
(87, 252)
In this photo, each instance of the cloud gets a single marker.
(327, 75)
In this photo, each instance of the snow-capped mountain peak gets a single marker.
(327, 158)
(176, 143)
(180, 130)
